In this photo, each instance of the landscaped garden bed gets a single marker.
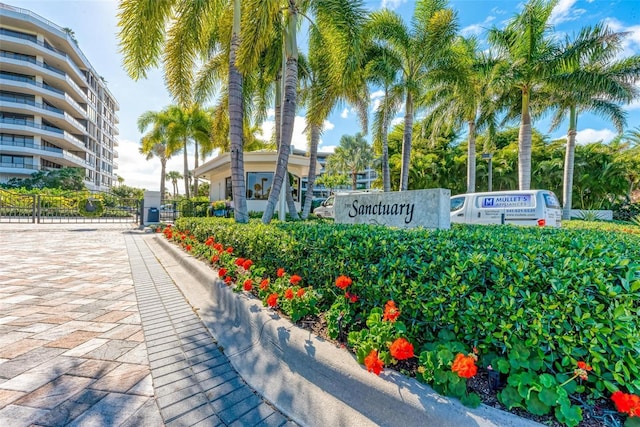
(539, 321)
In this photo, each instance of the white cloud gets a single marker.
(345, 113)
(328, 149)
(587, 136)
(563, 12)
(392, 4)
(141, 173)
(477, 29)
(299, 138)
(397, 121)
(377, 94)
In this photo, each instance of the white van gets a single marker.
(519, 207)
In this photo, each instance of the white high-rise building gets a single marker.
(55, 109)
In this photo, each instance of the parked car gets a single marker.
(326, 210)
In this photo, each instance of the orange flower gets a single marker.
(295, 279)
(272, 300)
(248, 284)
(239, 262)
(222, 272)
(229, 249)
(228, 280)
(288, 294)
(391, 312)
(300, 293)
(464, 366)
(247, 264)
(343, 282)
(280, 272)
(351, 297)
(627, 403)
(373, 363)
(401, 349)
(264, 284)
(218, 247)
(209, 241)
(188, 248)
(215, 258)
(583, 365)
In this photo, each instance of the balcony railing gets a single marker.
(31, 82)
(30, 123)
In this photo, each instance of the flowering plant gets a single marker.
(384, 336)
(342, 313)
(446, 367)
(286, 292)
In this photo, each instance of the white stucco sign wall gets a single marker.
(405, 209)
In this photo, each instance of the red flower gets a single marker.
(627, 403)
(288, 294)
(239, 262)
(222, 272)
(248, 284)
(391, 312)
(228, 280)
(351, 297)
(215, 258)
(247, 264)
(264, 284)
(280, 272)
(373, 363)
(182, 236)
(188, 248)
(209, 241)
(300, 293)
(343, 282)
(218, 247)
(229, 249)
(295, 279)
(583, 365)
(464, 366)
(272, 300)
(401, 349)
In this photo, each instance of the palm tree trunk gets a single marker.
(524, 145)
(291, 204)
(471, 158)
(163, 173)
(354, 180)
(288, 114)
(195, 166)
(311, 179)
(569, 159)
(406, 143)
(186, 169)
(386, 174)
(238, 184)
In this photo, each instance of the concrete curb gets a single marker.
(307, 378)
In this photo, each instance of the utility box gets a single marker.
(154, 215)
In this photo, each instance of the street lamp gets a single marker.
(489, 156)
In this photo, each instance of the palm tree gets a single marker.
(174, 176)
(463, 94)
(353, 155)
(529, 57)
(418, 50)
(601, 82)
(184, 33)
(336, 19)
(159, 141)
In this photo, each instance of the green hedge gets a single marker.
(567, 294)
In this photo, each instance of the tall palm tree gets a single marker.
(183, 34)
(601, 82)
(418, 50)
(529, 57)
(335, 18)
(174, 176)
(158, 141)
(353, 155)
(462, 94)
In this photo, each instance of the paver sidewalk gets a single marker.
(93, 332)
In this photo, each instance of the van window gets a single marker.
(551, 201)
(457, 203)
(507, 201)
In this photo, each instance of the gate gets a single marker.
(70, 207)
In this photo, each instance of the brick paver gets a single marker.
(93, 332)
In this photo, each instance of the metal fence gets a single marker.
(70, 207)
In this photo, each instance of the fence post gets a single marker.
(36, 209)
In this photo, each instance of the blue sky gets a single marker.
(94, 24)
